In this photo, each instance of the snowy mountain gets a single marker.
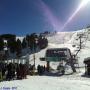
(66, 39)
(69, 40)
(65, 82)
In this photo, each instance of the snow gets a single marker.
(49, 83)
(20, 37)
(66, 82)
(66, 39)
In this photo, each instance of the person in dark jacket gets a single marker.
(38, 69)
(9, 68)
(19, 71)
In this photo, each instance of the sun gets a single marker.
(82, 5)
(84, 2)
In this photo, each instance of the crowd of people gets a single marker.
(13, 71)
(41, 69)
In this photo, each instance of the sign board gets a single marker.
(55, 59)
(58, 54)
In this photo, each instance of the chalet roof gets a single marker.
(58, 49)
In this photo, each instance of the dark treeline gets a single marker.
(33, 42)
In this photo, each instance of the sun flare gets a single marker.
(84, 2)
(82, 5)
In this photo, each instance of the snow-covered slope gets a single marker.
(68, 39)
(60, 37)
(66, 82)
(48, 83)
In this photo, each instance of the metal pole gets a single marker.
(34, 55)
(34, 59)
(34, 50)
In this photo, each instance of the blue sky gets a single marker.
(22, 17)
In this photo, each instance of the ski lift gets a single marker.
(59, 55)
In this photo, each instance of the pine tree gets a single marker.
(28, 40)
(33, 44)
(42, 42)
(12, 45)
(1, 44)
(18, 48)
(24, 43)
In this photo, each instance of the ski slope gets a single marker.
(67, 39)
(48, 83)
(67, 82)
